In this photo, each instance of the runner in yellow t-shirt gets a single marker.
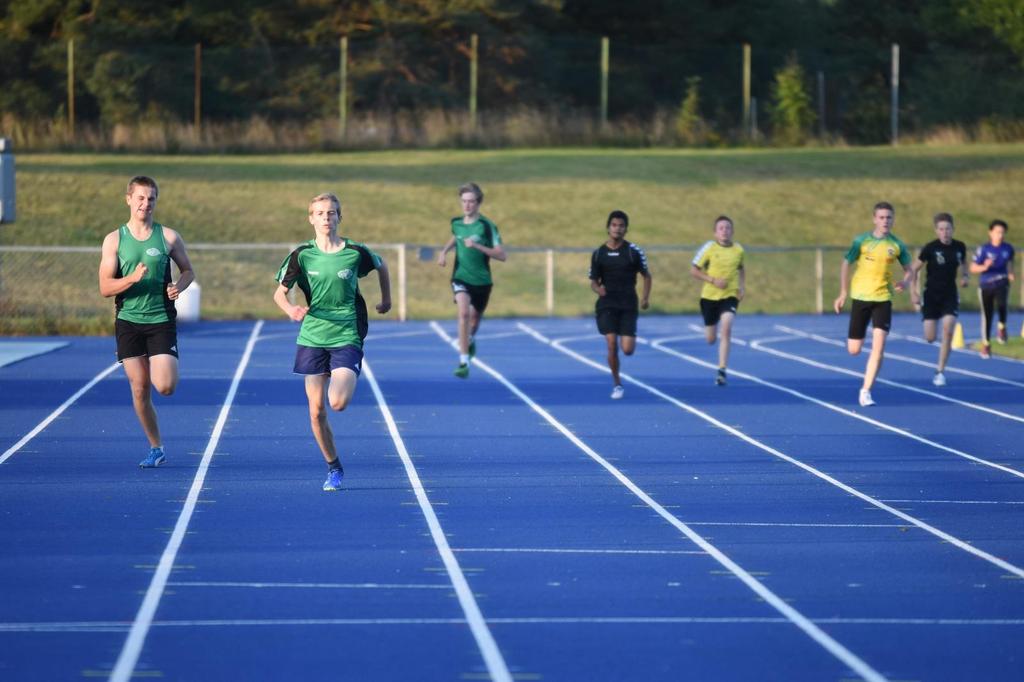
(719, 264)
(872, 289)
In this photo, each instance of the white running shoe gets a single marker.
(618, 392)
(939, 379)
(865, 398)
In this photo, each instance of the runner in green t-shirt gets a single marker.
(476, 241)
(874, 253)
(329, 349)
(135, 268)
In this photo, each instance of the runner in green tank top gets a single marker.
(146, 302)
(135, 269)
(476, 241)
(334, 321)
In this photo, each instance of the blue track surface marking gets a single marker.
(519, 524)
(124, 668)
(775, 423)
(860, 667)
(24, 440)
(966, 546)
(86, 522)
(14, 351)
(496, 667)
(31, 390)
(849, 412)
(887, 382)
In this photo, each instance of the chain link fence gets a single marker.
(528, 91)
(53, 290)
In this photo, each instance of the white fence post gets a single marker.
(549, 281)
(819, 276)
(401, 283)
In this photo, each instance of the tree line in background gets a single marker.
(962, 62)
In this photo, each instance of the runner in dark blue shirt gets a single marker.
(994, 263)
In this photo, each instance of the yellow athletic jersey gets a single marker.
(721, 262)
(874, 258)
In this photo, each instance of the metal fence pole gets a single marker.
(822, 130)
(549, 281)
(895, 113)
(604, 80)
(343, 91)
(474, 43)
(746, 89)
(819, 281)
(198, 88)
(71, 88)
(402, 311)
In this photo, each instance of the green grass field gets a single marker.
(539, 198)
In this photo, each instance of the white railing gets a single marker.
(55, 283)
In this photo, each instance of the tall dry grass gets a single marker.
(428, 129)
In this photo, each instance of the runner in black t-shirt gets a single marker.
(613, 270)
(942, 258)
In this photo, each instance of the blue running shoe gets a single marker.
(154, 459)
(333, 481)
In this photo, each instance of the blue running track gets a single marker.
(520, 524)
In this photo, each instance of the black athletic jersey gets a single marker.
(943, 261)
(617, 269)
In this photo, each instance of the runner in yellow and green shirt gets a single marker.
(872, 290)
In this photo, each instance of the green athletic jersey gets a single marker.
(472, 266)
(330, 281)
(146, 302)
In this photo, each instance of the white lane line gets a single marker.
(121, 626)
(394, 335)
(694, 327)
(496, 335)
(129, 655)
(795, 525)
(942, 535)
(965, 351)
(370, 337)
(539, 550)
(493, 659)
(684, 337)
(848, 658)
(580, 337)
(756, 345)
(56, 413)
(949, 370)
(955, 501)
(318, 586)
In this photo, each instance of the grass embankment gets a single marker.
(1013, 348)
(539, 198)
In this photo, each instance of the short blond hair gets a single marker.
(325, 196)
